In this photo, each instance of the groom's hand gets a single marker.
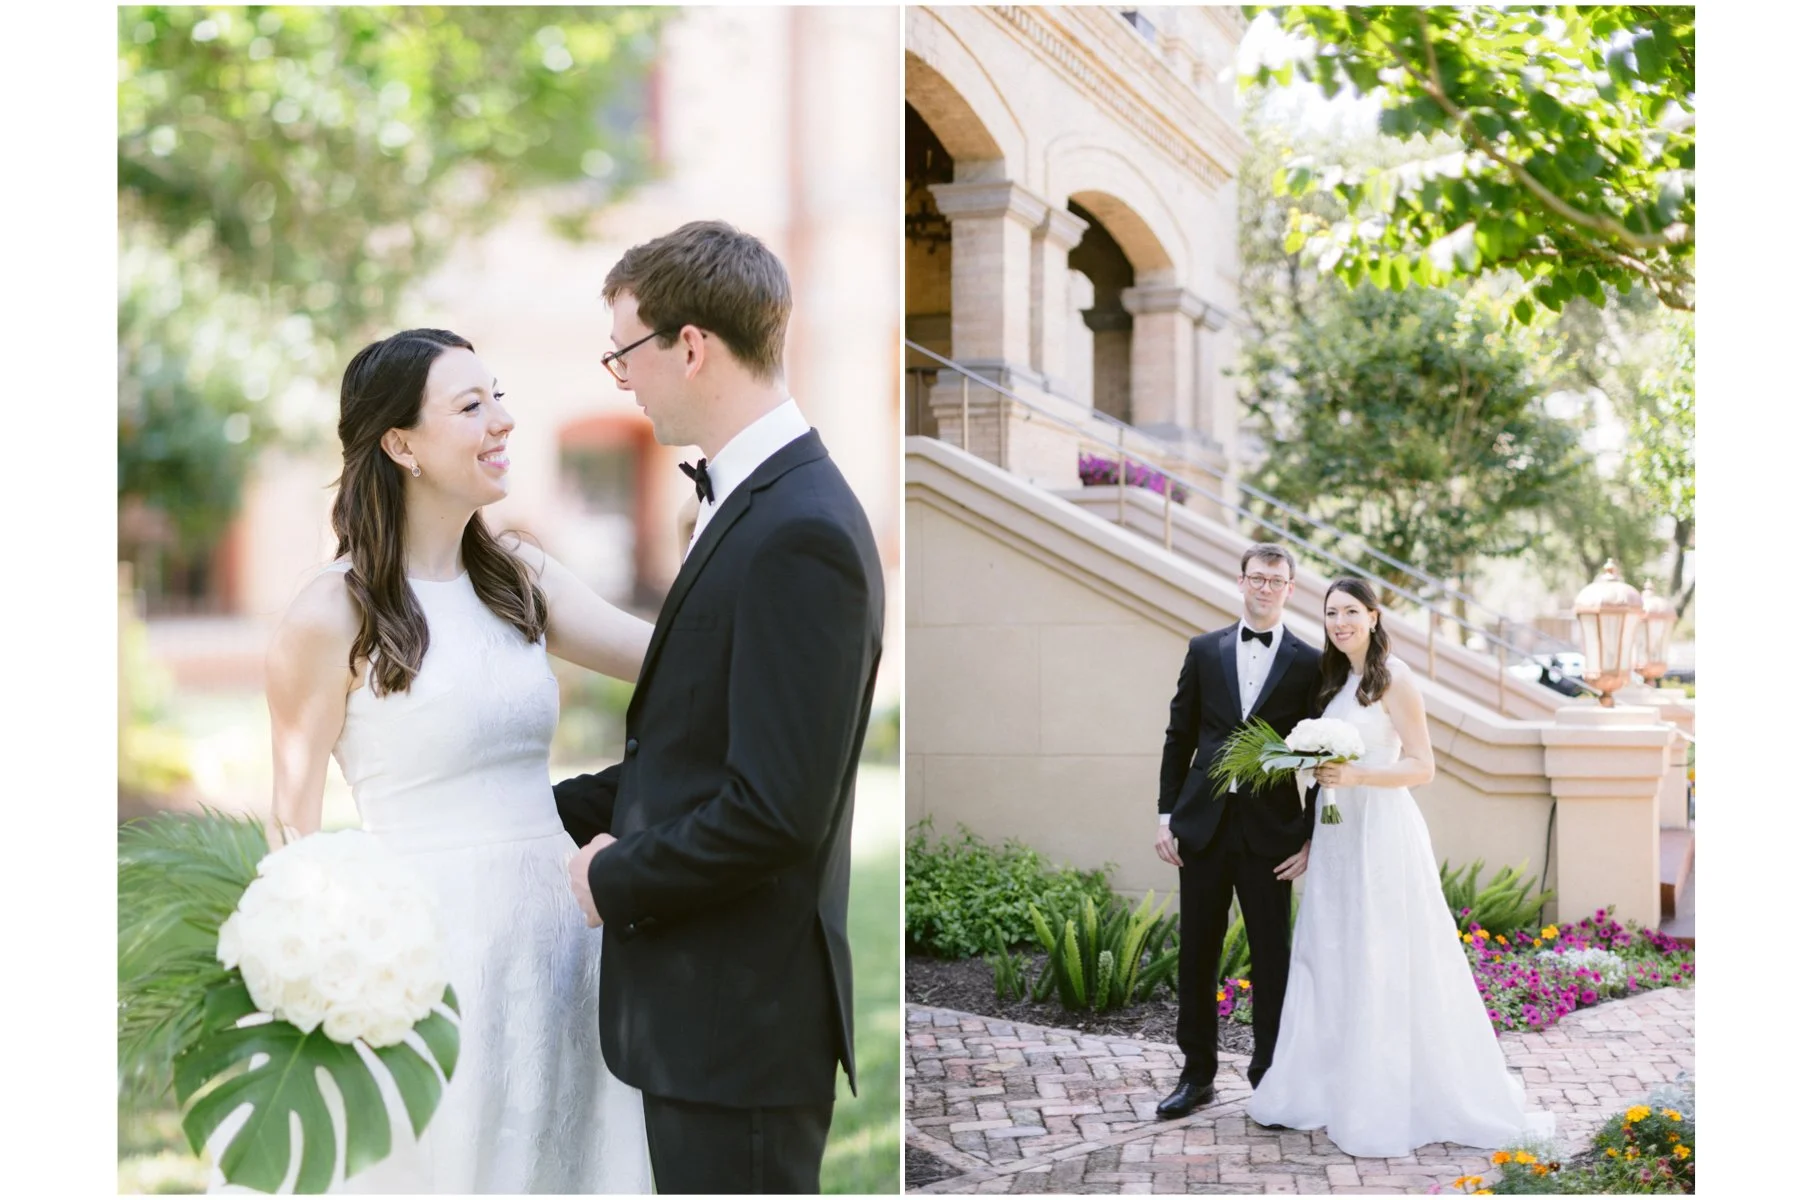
(1290, 869)
(1166, 848)
(578, 876)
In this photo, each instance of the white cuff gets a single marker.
(1165, 817)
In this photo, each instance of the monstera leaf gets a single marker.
(282, 1079)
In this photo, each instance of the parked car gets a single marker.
(1560, 672)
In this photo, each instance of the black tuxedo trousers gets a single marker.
(725, 980)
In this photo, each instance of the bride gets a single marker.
(1384, 1043)
(418, 658)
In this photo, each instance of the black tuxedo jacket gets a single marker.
(726, 970)
(1204, 713)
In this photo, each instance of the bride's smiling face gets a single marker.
(1349, 623)
(459, 441)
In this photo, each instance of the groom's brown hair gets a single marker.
(715, 276)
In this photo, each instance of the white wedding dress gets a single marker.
(454, 774)
(1385, 1043)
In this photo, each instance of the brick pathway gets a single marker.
(1022, 1109)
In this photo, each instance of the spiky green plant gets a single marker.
(1106, 962)
(1504, 903)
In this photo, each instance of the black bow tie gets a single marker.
(1266, 637)
(702, 481)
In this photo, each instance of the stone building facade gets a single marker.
(1071, 228)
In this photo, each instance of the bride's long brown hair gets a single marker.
(383, 389)
(1334, 664)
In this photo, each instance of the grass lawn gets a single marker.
(863, 1153)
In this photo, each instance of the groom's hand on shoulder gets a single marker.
(578, 876)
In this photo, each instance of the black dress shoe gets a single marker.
(1186, 1097)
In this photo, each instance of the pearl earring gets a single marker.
(415, 470)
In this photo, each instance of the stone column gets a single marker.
(1606, 767)
(1050, 246)
(1162, 354)
(1215, 408)
(991, 228)
(1078, 359)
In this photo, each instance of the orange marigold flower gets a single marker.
(1631, 1152)
(1682, 1151)
(1467, 938)
(1501, 1156)
(1548, 931)
(1636, 1112)
(1611, 1153)
(1501, 938)
(1484, 1191)
(1244, 983)
(1525, 1156)
(1540, 1169)
(1221, 994)
(1537, 941)
(1671, 1114)
(1482, 934)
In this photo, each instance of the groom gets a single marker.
(717, 854)
(1234, 836)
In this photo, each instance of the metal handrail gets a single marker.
(1121, 428)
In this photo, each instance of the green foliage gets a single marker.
(1504, 903)
(1557, 143)
(285, 1083)
(1011, 976)
(882, 743)
(1255, 752)
(285, 173)
(1106, 959)
(965, 897)
(179, 878)
(1415, 418)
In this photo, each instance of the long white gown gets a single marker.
(454, 774)
(1385, 1043)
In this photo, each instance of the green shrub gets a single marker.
(1503, 904)
(1106, 960)
(965, 897)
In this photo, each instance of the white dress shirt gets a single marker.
(754, 445)
(1253, 662)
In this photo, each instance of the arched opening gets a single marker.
(1100, 334)
(928, 246)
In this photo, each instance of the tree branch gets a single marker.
(1678, 234)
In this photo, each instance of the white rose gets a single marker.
(231, 942)
(345, 1024)
(265, 990)
(302, 1006)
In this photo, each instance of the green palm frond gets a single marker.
(180, 877)
(1255, 751)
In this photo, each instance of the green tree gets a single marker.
(1415, 419)
(285, 172)
(1556, 142)
(1638, 359)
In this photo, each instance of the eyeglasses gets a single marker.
(614, 360)
(1266, 583)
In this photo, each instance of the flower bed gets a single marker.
(1097, 472)
(1530, 980)
(1646, 1150)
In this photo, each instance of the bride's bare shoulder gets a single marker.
(321, 612)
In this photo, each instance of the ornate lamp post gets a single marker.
(1659, 623)
(1609, 610)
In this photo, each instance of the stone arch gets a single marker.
(1112, 187)
(960, 100)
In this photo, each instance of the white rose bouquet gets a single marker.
(1256, 749)
(244, 973)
